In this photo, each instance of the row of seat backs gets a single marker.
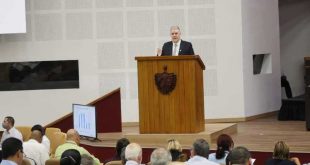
(55, 136)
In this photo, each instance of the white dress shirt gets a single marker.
(177, 48)
(36, 151)
(131, 162)
(199, 160)
(13, 132)
(8, 162)
(47, 144)
(212, 157)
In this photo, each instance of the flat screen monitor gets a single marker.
(84, 120)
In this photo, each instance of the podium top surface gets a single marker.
(183, 57)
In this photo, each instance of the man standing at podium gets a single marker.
(176, 46)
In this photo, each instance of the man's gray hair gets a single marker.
(239, 155)
(175, 27)
(133, 151)
(160, 156)
(201, 148)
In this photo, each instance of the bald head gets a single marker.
(73, 135)
(36, 135)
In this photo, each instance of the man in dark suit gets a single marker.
(176, 46)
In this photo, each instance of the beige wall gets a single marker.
(106, 35)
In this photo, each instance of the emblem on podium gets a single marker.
(165, 81)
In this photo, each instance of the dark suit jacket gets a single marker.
(186, 48)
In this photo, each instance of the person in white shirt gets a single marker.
(12, 152)
(224, 145)
(34, 150)
(10, 130)
(133, 154)
(200, 153)
(45, 141)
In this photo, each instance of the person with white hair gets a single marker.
(133, 154)
(160, 156)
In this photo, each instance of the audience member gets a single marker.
(175, 149)
(45, 141)
(281, 155)
(224, 145)
(160, 156)
(200, 153)
(86, 160)
(34, 150)
(120, 144)
(133, 154)
(10, 130)
(70, 157)
(239, 155)
(123, 158)
(73, 142)
(12, 151)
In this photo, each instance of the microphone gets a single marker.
(35, 163)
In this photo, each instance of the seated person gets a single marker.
(133, 154)
(175, 149)
(200, 153)
(160, 156)
(73, 141)
(240, 156)
(120, 144)
(281, 155)
(70, 157)
(224, 145)
(12, 151)
(86, 160)
(45, 141)
(10, 130)
(35, 150)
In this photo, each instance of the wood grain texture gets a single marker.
(182, 110)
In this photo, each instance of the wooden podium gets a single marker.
(180, 111)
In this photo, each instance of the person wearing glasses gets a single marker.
(176, 46)
(12, 152)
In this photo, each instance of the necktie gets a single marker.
(175, 49)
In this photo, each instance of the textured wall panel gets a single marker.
(47, 4)
(139, 48)
(170, 2)
(140, 23)
(168, 18)
(133, 83)
(110, 24)
(48, 27)
(206, 48)
(111, 55)
(139, 3)
(210, 82)
(79, 26)
(201, 21)
(109, 3)
(78, 4)
(111, 81)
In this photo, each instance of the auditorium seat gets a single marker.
(56, 139)
(25, 131)
(50, 130)
(115, 162)
(52, 161)
(26, 162)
